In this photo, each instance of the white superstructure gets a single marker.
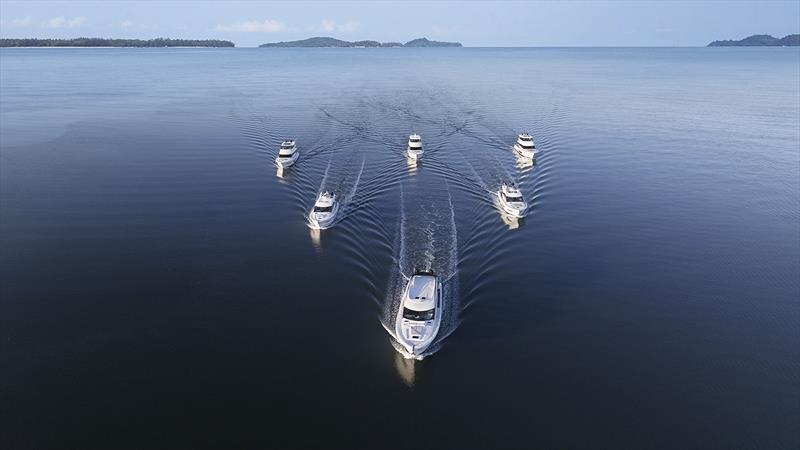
(511, 201)
(287, 155)
(414, 149)
(525, 146)
(323, 214)
(420, 314)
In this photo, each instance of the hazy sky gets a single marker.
(474, 23)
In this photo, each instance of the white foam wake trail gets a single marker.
(478, 178)
(507, 176)
(352, 193)
(453, 257)
(325, 175)
(450, 283)
(430, 245)
(394, 287)
(401, 256)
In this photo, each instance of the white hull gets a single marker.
(523, 162)
(414, 148)
(287, 162)
(525, 152)
(510, 210)
(321, 223)
(416, 336)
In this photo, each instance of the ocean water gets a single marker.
(160, 288)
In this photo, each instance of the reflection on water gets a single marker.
(512, 222)
(523, 162)
(316, 238)
(406, 369)
(189, 168)
(413, 165)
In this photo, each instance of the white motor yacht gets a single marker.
(511, 200)
(525, 146)
(287, 155)
(414, 147)
(323, 214)
(420, 313)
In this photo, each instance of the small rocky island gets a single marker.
(760, 40)
(338, 43)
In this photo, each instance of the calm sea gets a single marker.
(160, 288)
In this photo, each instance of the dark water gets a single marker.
(160, 287)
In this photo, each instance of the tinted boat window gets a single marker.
(410, 314)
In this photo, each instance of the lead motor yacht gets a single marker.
(511, 200)
(287, 155)
(420, 313)
(414, 147)
(525, 146)
(323, 214)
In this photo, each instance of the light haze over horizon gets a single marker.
(473, 23)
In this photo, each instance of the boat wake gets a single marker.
(429, 244)
(345, 190)
(468, 150)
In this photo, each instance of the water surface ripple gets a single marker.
(156, 270)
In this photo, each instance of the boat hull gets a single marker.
(327, 222)
(525, 152)
(415, 348)
(287, 162)
(414, 154)
(509, 210)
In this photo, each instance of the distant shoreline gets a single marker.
(100, 47)
(380, 48)
(329, 42)
(761, 40)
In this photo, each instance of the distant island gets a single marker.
(101, 42)
(332, 42)
(760, 40)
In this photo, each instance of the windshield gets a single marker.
(523, 138)
(410, 314)
(513, 199)
(413, 140)
(323, 208)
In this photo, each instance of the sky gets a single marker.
(473, 23)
